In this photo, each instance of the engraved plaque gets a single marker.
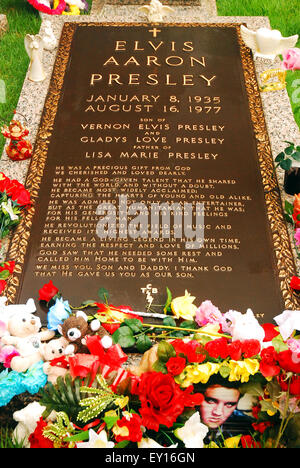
(150, 115)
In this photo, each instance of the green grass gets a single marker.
(283, 15)
(22, 20)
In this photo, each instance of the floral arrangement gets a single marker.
(14, 198)
(291, 59)
(103, 400)
(60, 7)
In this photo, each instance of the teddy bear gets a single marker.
(26, 336)
(54, 349)
(27, 419)
(75, 328)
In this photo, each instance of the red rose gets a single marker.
(234, 350)
(250, 348)
(269, 365)
(295, 283)
(47, 292)
(285, 360)
(162, 400)
(270, 331)
(195, 352)
(175, 365)
(217, 348)
(133, 423)
(37, 439)
(179, 346)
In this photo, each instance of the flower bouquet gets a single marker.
(185, 391)
(14, 198)
(60, 7)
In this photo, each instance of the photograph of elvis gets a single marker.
(224, 410)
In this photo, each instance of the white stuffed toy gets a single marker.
(52, 350)
(27, 420)
(244, 326)
(26, 335)
(7, 311)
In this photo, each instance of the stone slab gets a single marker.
(278, 114)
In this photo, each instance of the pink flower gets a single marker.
(208, 313)
(291, 59)
(6, 355)
(297, 237)
(294, 346)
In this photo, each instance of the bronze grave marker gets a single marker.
(154, 114)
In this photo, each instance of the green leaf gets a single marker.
(159, 366)
(289, 208)
(280, 157)
(279, 344)
(104, 295)
(124, 337)
(188, 324)
(143, 343)
(134, 324)
(4, 274)
(110, 420)
(78, 437)
(296, 155)
(224, 371)
(169, 322)
(122, 444)
(289, 143)
(165, 351)
(286, 164)
(289, 150)
(168, 302)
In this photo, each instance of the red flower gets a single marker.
(285, 360)
(179, 346)
(270, 331)
(248, 442)
(250, 348)
(37, 439)
(217, 348)
(293, 386)
(133, 423)
(2, 286)
(295, 283)
(261, 426)
(81, 365)
(195, 352)
(111, 327)
(45, 9)
(234, 350)
(47, 292)
(175, 365)
(9, 266)
(162, 400)
(269, 365)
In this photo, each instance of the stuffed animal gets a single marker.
(7, 311)
(75, 328)
(244, 326)
(27, 419)
(26, 335)
(54, 349)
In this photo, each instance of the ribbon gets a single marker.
(267, 75)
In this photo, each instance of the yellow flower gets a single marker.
(241, 370)
(196, 373)
(122, 401)
(232, 442)
(183, 307)
(120, 431)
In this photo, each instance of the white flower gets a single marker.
(7, 208)
(193, 432)
(288, 321)
(150, 443)
(96, 441)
